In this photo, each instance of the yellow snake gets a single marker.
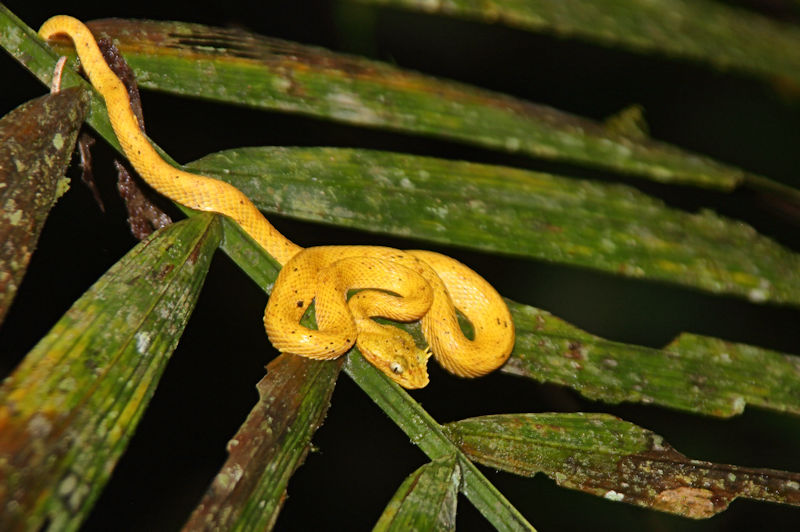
(398, 285)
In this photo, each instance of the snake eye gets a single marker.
(396, 368)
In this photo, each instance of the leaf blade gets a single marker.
(701, 30)
(244, 68)
(497, 209)
(249, 490)
(426, 500)
(68, 411)
(36, 143)
(616, 460)
(693, 373)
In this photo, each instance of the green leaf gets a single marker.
(70, 408)
(243, 68)
(693, 373)
(613, 228)
(427, 434)
(701, 30)
(616, 460)
(426, 500)
(271, 444)
(36, 143)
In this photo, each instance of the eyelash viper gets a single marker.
(399, 285)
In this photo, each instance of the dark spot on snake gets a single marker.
(300, 304)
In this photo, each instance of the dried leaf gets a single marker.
(144, 216)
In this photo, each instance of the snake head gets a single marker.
(396, 354)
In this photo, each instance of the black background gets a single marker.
(208, 387)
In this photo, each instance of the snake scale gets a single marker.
(398, 285)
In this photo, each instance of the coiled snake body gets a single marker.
(398, 285)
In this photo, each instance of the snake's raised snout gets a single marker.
(396, 354)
